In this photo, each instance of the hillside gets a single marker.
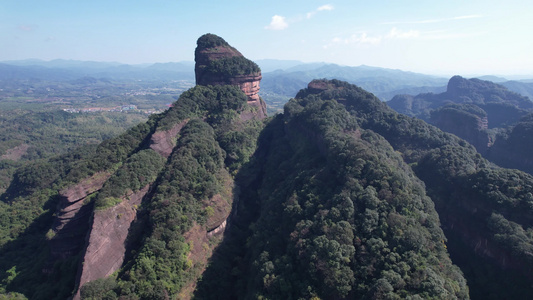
(485, 94)
(334, 149)
(484, 113)
(335, 213)
(150, 203)
(338, 197)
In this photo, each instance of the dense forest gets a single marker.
(338, 197)
(485, 211)
(213, 143)
(495, 120)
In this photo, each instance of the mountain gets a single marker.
(61, 70)
(524, 88)
(63, 64)
(483, 113)
(338, 197)
(328, 199)
(329, 210)
(512, 146)
(156, 196)
(384, 83)
(270, 65)
(492, 78)
(10, 72)
(460, 90)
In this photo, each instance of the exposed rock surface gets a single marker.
(215, 66)
(73, 216)
(204, 238)
(16, 153)
(106, 244)
(163, 142)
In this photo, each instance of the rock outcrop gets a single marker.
(218, 63)
(67, 236)
(106, 244)
(163, 142)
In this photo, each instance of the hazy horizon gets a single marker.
(453, 37)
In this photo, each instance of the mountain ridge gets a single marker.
(338, 197)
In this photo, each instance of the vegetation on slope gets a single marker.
(214, 142)
(232, 66)
(331, 205)
(335, 213)
(470, 203)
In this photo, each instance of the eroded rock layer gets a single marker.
(73, 215)
(218, 63)
(106, 245)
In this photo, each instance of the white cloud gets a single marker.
(325, 7)
(364, 38)
(360, 38)
(394, 33)
(434, 20)
(445, 35)
(281, 23)
(277, 23)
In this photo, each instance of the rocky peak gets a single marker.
(218, 63)
(317, 86)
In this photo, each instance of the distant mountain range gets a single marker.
(281, 78)
(58, 70)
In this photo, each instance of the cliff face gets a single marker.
(218, 63)
(163, 142)
(73, 216)
(106, 244)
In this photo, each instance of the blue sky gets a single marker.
(434, 37)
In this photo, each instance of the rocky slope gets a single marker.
(73, 215)
(106, 244)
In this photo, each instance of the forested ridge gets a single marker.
(338, 197)
(213, 143)
(495, 120)
(322, 160)
(335, 214)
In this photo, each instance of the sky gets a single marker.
(432, 37)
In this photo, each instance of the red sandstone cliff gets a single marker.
(106, 243)
(163, 142)
(247, 77)
(69, 229)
